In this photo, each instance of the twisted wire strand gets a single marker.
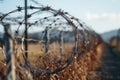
(74, 23)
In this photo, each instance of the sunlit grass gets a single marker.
(78, 69)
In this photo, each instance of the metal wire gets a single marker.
(65, 24)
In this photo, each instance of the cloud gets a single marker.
(110, 16)
(114, 0)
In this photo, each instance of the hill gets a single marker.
(106, 36)
(68, 36)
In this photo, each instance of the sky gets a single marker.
(100, 15)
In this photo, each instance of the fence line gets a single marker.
(66, 27)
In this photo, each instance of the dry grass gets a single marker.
(79, 68)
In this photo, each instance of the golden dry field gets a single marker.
(77, 70)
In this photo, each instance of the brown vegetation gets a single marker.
(77, 70)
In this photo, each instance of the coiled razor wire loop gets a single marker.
(56, 26)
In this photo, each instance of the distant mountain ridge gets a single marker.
(106, 36)
(68, 36)
(1, 34)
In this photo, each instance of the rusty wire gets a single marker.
(55, 20)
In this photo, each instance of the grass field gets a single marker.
(77, 70)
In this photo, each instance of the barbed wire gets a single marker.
(62, 22)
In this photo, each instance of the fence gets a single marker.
(62, 39)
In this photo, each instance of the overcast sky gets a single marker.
(101, 15)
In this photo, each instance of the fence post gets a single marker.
(10, 57)
(26, 31)
(76, 43)
(46, 37)
(61, 43)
